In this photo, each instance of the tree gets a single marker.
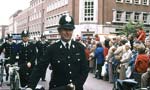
(129, 28)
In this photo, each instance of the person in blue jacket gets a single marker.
(99, 55)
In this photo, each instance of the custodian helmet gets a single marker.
(9, 36)
(43, 36)
(25, 33)
(66, 22)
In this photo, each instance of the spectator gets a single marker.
(141, 35)
(99, 55)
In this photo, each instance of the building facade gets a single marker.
(36, 18)
(12, 23)
(3, 31)
(91, 16)
(22, 21)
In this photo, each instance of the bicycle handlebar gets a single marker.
(13, 66)
(5, 59)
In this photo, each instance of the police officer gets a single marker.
(41, 48)
(9, 48)
(27, 56)
(67, 58)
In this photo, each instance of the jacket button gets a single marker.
(70, 80)
(69, 65)
(58, 61)
(68, 57)
(78, 59)
(70, 72)
(54, 85)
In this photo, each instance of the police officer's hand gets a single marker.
(29, 64)
(7, 65)
(28, 89)
(71, 86)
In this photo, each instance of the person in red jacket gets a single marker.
(141, 62)
(141, 35)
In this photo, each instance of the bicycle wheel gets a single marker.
(12, 86)
(12, 81)
(17, 84)
(1, 75)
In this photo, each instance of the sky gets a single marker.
(9, 7)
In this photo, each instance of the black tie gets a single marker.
(67, 46)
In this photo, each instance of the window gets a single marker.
(145, 17)
(145, 2)
(89, 10)
(137, 1)
(136, 17)
(119, 1)
(128, 1)
(128, 16)
(118, 16)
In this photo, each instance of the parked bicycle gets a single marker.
(2, 67)
(14, 78)
(1, 71)
(128, 84)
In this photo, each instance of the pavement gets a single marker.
(90, 84)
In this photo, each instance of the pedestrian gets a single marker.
(41, 50)
(141, 62)
(99, 55)
(67, 58)
(27, 56)
(9, 49)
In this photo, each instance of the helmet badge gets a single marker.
(68, 18)
(10, 35)
(25, 32)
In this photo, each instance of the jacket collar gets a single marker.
(62, 44)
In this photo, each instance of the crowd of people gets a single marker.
(121, 57)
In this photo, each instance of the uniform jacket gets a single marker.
(67, 66)
(41, 48)
(10, 51)
(26, 54)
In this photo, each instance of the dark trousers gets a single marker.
(24, 76)
(99, 70)
(6, 70)
(44, 74)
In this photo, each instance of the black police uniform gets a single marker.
(69, 66)
(26, 53)
(41, 48)
(10, 53)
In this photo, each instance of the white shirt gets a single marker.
(25, 44)
(64, 43)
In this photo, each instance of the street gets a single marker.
(90, 84)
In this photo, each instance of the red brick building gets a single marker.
(91, 16)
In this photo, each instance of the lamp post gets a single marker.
(42, 18)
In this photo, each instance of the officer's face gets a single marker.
(25, 39)
(65, 34)
(10, 39)
(43, 39)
